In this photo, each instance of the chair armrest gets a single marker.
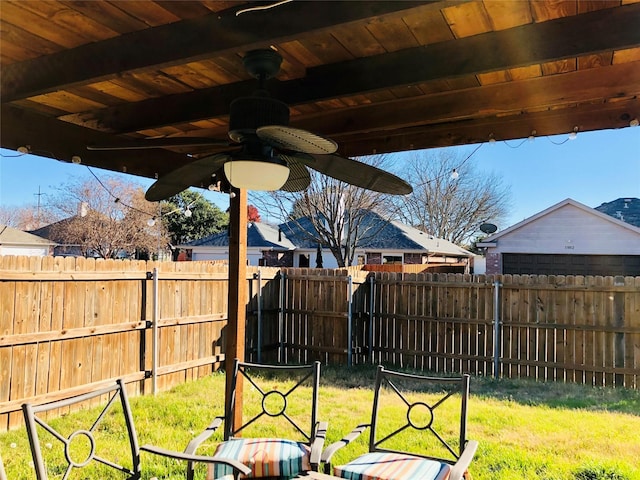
(464, 461)
(207, 432)
(317, 444)
(350, 437)
(237, 466)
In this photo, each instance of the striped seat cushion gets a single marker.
(392, 466)
(266, 457)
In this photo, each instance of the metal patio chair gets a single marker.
(3, 475)
(293, 447)
(71, 448)
(417, 430)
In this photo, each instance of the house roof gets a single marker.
(429, 242)
(50, 231)
(13, 236)
(626, 209)
(384, 235)
(489, 241)
(259, 235)
(293, 235)
(296, 231)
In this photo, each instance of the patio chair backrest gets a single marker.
(422, 399)
(79, 448)
(275, 401)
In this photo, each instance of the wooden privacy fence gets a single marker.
(71, 324)
(565, 328)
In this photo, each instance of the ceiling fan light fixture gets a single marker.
(252, 174)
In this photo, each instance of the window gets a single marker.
(392, 259)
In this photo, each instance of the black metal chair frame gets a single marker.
(3, 474)
(462, 453)
(116, 393)
(314, 436)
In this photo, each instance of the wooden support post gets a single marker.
(235, 333)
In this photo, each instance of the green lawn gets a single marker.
(526, 430)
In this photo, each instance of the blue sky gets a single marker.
(594, 168)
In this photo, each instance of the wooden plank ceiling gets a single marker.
(374, 76)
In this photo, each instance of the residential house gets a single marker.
(266, 245)
(289, 244)
(17, 242)
(62, 247)
(567, 238)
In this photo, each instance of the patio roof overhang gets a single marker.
(378, 76)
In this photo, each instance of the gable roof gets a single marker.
(51, 231)
(259, 235)
(488, 241)
(13, 236)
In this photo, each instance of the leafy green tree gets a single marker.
(189, 216)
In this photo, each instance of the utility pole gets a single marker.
(39, 194)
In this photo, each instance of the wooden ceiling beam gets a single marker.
(616, 81)
(182, 42)
(587, 118)
(52, 138)
(538, 43)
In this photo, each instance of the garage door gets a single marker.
(539, 264)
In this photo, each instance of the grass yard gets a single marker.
(526, 430)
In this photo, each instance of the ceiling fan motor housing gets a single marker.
(249, 113)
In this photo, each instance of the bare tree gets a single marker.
(26, 217)
(450, 198)
(106, 218)
(331, 213)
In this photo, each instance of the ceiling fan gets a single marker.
(265, 153)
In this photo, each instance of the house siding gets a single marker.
(566, 239)
(570, 230)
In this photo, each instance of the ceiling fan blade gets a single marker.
(299, 177)
(294, 139)
(358, 174)
(193, 173)
(145, 143)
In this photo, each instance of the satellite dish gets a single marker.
(488, 228)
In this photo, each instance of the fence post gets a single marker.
(258, 276)
(349, 321)
(618, 322)
(281, 317)
(496, 328)
(154, 344)
(372, 294)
